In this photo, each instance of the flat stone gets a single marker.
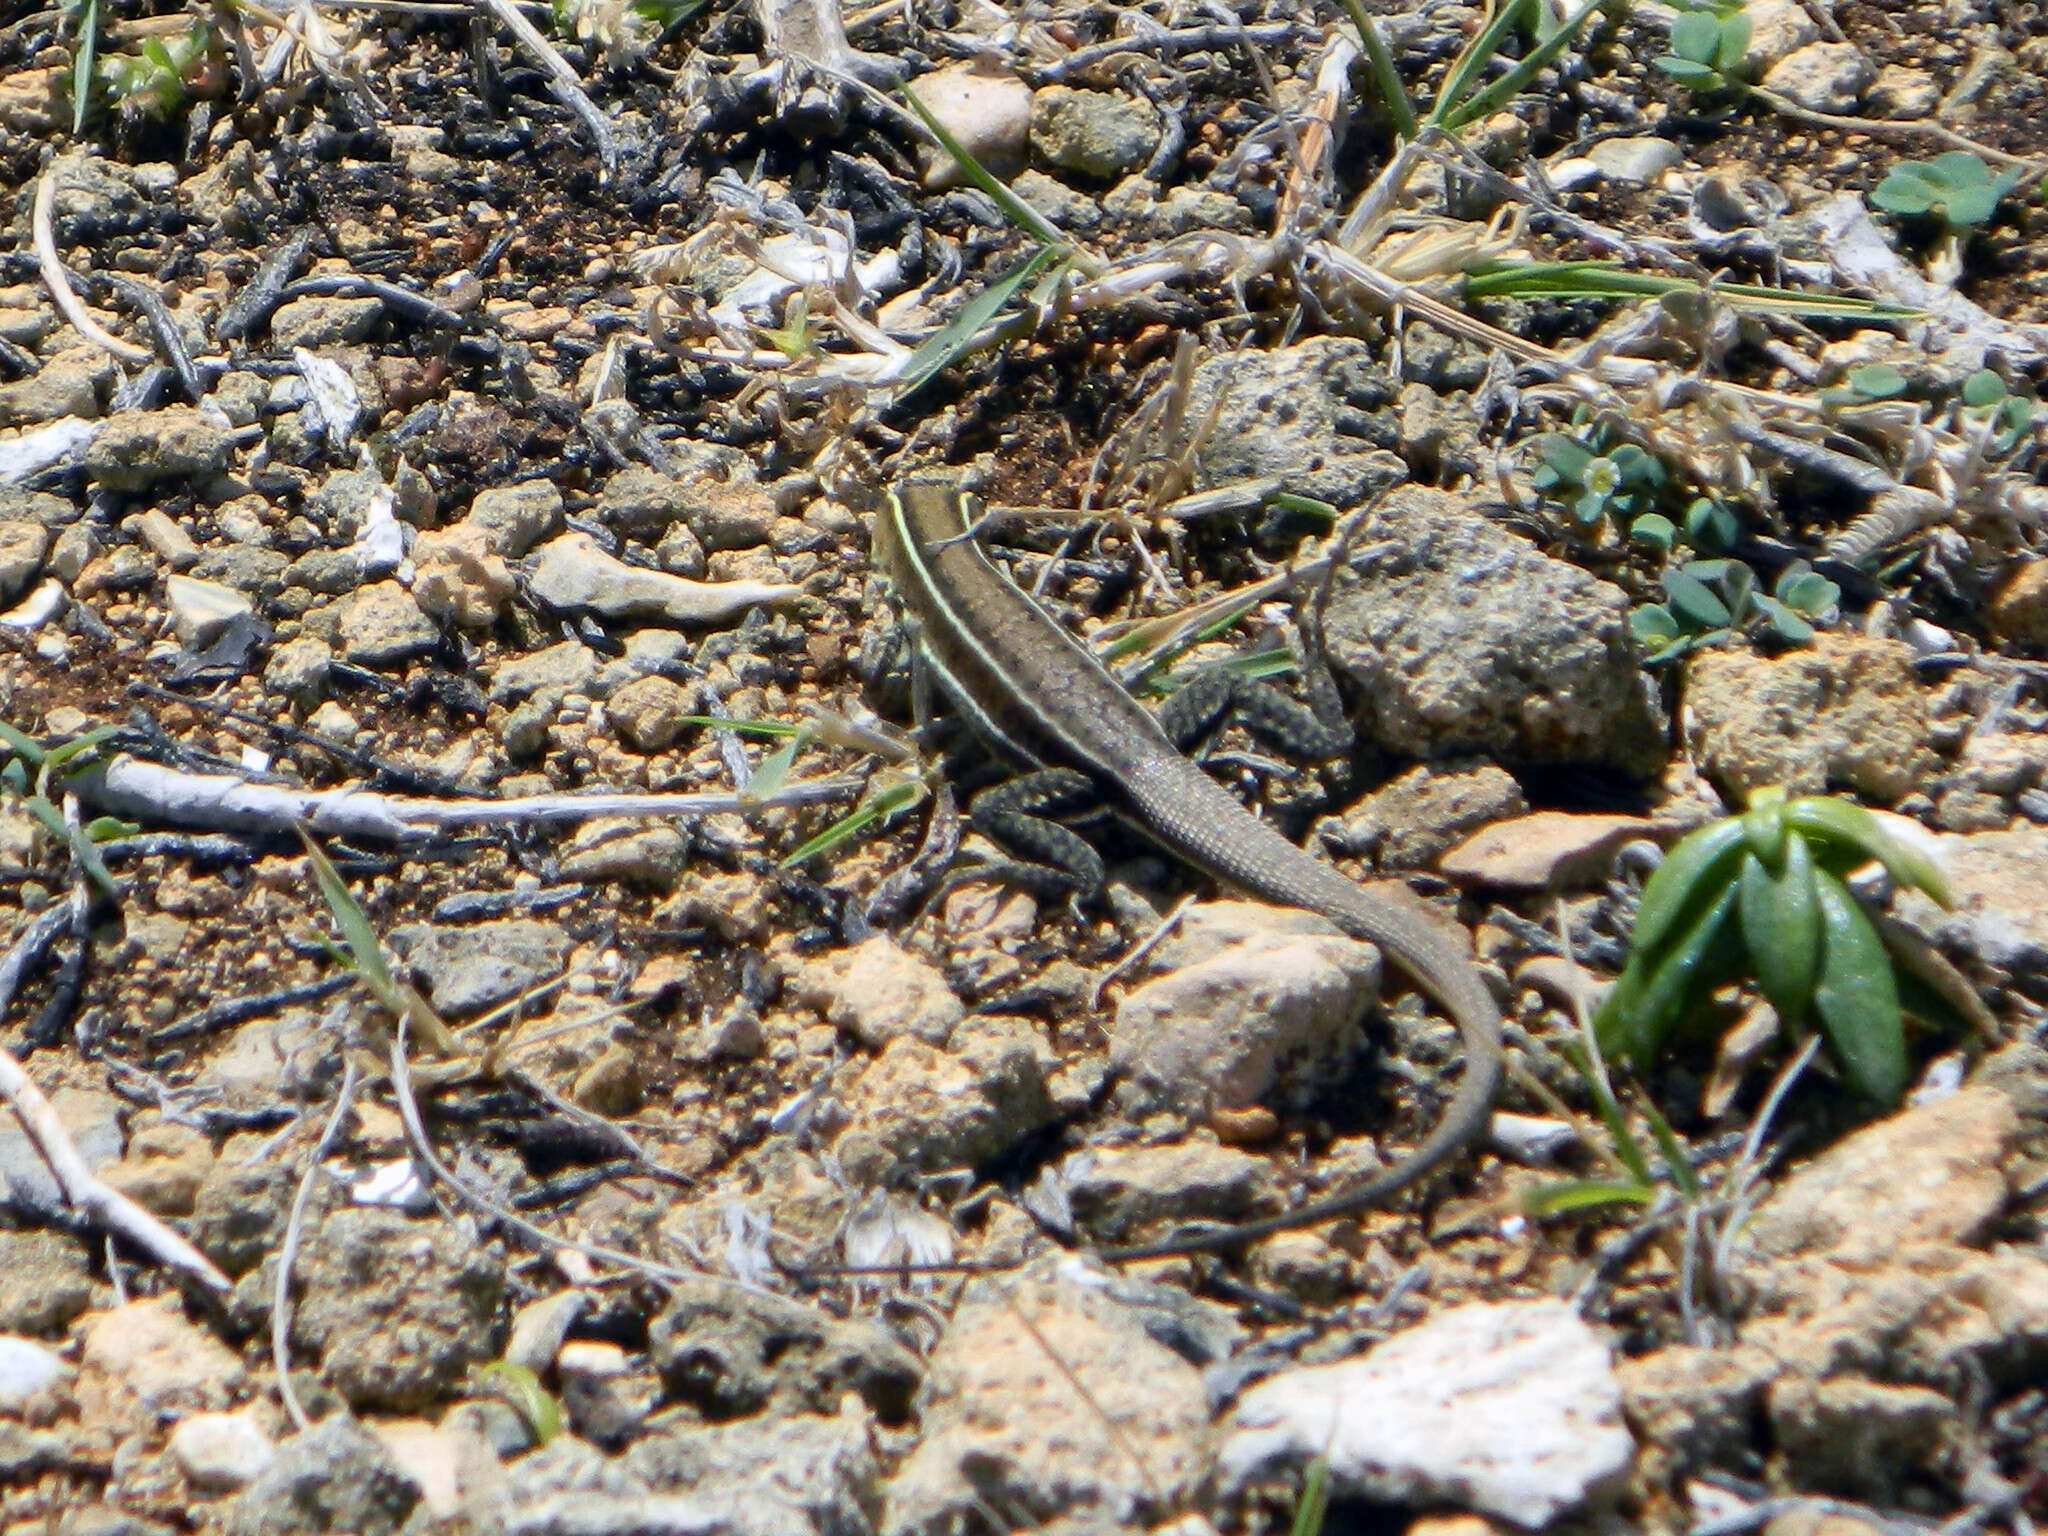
(1509, 1408)
(45, 1282)
(650, 713)
(573, 573)
(1547, 851)
(472, 969)
(569, 666)
(134, 450)
(458, 578)
(221, 1452)
(514, 518)
(628, 850)
(157, 1356)
(877, 990)
(335, 1477)
(987, 109)
(324, 322)
(381, 626)
(1636, 159)
(1822, 77)
(917, 1109)
(200, 610)
(1104, 135)
(27, 1370)
(1123, 1192)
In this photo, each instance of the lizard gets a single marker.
(1042, 700)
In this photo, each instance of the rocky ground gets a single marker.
(432, 446)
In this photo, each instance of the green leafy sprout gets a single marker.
(34, 774)
(1619, 483)
(153, 83)
(1709, 602)
(1707, 45)
(1958, 188)
(1764, 893)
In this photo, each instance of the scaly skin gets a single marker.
(1044, 700)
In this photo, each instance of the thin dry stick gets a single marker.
(105, 1208)
(568, 88)
(1893, 127)
(58, 281)
(281, 1303)
(424, 1154)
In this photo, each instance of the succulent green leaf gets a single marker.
(1692, 874)
(1843, 823)
(1786, 623)
(1970, 205)
(1808, 593)
(1733, 43)
(1693, 602)
(1763, 829)
(1565, 457)
(1696, 36)
(1905, 190)
(1653, 625)
(1982, 388)
(1856, 997)
(1634, 1020)
(1877, 381)
(1654, 531)
(21, 744)
(1781, 925)
(1700, 77)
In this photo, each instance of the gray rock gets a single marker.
(381, 626)
(987, 109)
(1059, 202)
(877, 990)
(1900, 92)
(1317, 413)
(332, 572)
(73, 550)
(573, 573)
(916, 1109)
(569, 666)
(469, 970)
(20, 506)
(1101, 134)
(93, 1120)
(1004, 1427)
(1121, 1192)
(69, 384)
(650, 713)
(27, 1370)
(731, 1353)
(336, 1477)
(341, 503)
(1508, 1408)
(22, 548)
(299, 670)
(1847, 711)
(44, 1282)
(200, 610)
(134, 450)
(1275, 1015)
(1822, 77)
(783, 1476)
(1638, 159)
(627, 850)
(396, 1309)
(457, 578)
(1465, 638)
(1861, 1439)
(1412, 821)
(324, 322)
(241, 396)
(168, 541)
(1776, 28)
(220, 1452)
(249, 568)
(514, 518)
(239, 1213)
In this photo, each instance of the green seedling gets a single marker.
(622, 31)
(1709, 602)
(85, 23)
(522, 1391)
(1763, 894)
(1637, 1182)
(1707, 45)
(1620, 483)
(2008, 418)
(35, 774)
(154, 82)
(360, 951)
(1957, 188)
(1605, 280)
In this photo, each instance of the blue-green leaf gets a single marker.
(1857, 998)
(1781, 926)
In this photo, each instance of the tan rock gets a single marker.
(1546, 851)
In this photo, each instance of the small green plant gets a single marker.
(1957, 188)
(1594, 480)
(622, 30)
(84, 16)
(153, 83)
(1708, 602)
(34, 774)
(1764, 892)
(2009, 418)
(1707, 45)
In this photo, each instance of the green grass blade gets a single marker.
(22, 745)
(84, 61)
(1668, 1143)
(1473, 58)
(1384, 75)
(1517, 79)
(93, 739)
(1606, 280)
(773, 773)
(953, 339)
(1026, 217)
(364, 952)
(1585, 1195)
(1314, 1505)
(747, 727)
(879, 807)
